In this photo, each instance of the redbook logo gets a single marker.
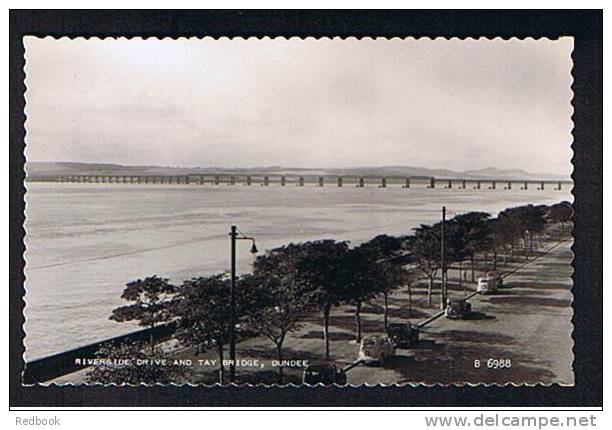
(37, 421)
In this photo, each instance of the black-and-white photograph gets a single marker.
(349, 212)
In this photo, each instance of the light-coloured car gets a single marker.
(489, 283)
(376, 349)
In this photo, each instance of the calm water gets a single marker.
(85, 241)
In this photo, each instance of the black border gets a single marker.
(584, 25)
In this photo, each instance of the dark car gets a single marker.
(458, 308)
(403, 335)
(325, 373)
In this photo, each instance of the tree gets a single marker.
(365, 280)
(151, 301)
(560, 213)
(203, 308)
(134, 363)
(526, 221)
(278, 302)
(321, 270)
(472, 235)
(425, 250)
(391, 258)
(278, 306)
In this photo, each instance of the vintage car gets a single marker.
(457, 308)
(489, 283)
(323, 373)
(376, 349)
(403, 335)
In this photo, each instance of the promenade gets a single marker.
(528, 322)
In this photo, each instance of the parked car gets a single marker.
(457, 308)
(489, 283)
(403, 335)
(323, 373)
(376, 349)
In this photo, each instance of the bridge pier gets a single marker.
(383, 183)
(361, 183)
(432, 183)
(463, 184)
(283, 181)
(339, 181)
(559, 186)
(541, 186)
(266, 181)
(493, 185)
(216, 180)
(249, 180)
(407, 184)
(232, 180)
(301, 181)
(321, 181)
(187, 180)
(449, 185)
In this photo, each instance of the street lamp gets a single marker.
(235, 235)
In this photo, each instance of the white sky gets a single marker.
(317, 103)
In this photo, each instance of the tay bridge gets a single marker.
(312, 180)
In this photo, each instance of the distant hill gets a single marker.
(39, 169)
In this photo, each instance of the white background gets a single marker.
(254, 420)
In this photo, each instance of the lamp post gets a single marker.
(443, 285)
(235, 235)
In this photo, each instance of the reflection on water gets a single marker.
(85, 241)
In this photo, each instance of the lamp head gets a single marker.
(254, 249)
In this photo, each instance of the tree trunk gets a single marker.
(562, 231)
(495, 258)
(409, 302)
(326, 330)
(358, 322)
(386, 296)
(472, 263)
(152, 340)
(460, 279)
(279, 352)
(429, 289)
(221, 366)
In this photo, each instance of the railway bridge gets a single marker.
(313, 180)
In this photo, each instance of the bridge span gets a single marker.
(313, 180)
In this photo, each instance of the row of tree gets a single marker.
(291, 283)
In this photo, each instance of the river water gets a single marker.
(85, 241)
